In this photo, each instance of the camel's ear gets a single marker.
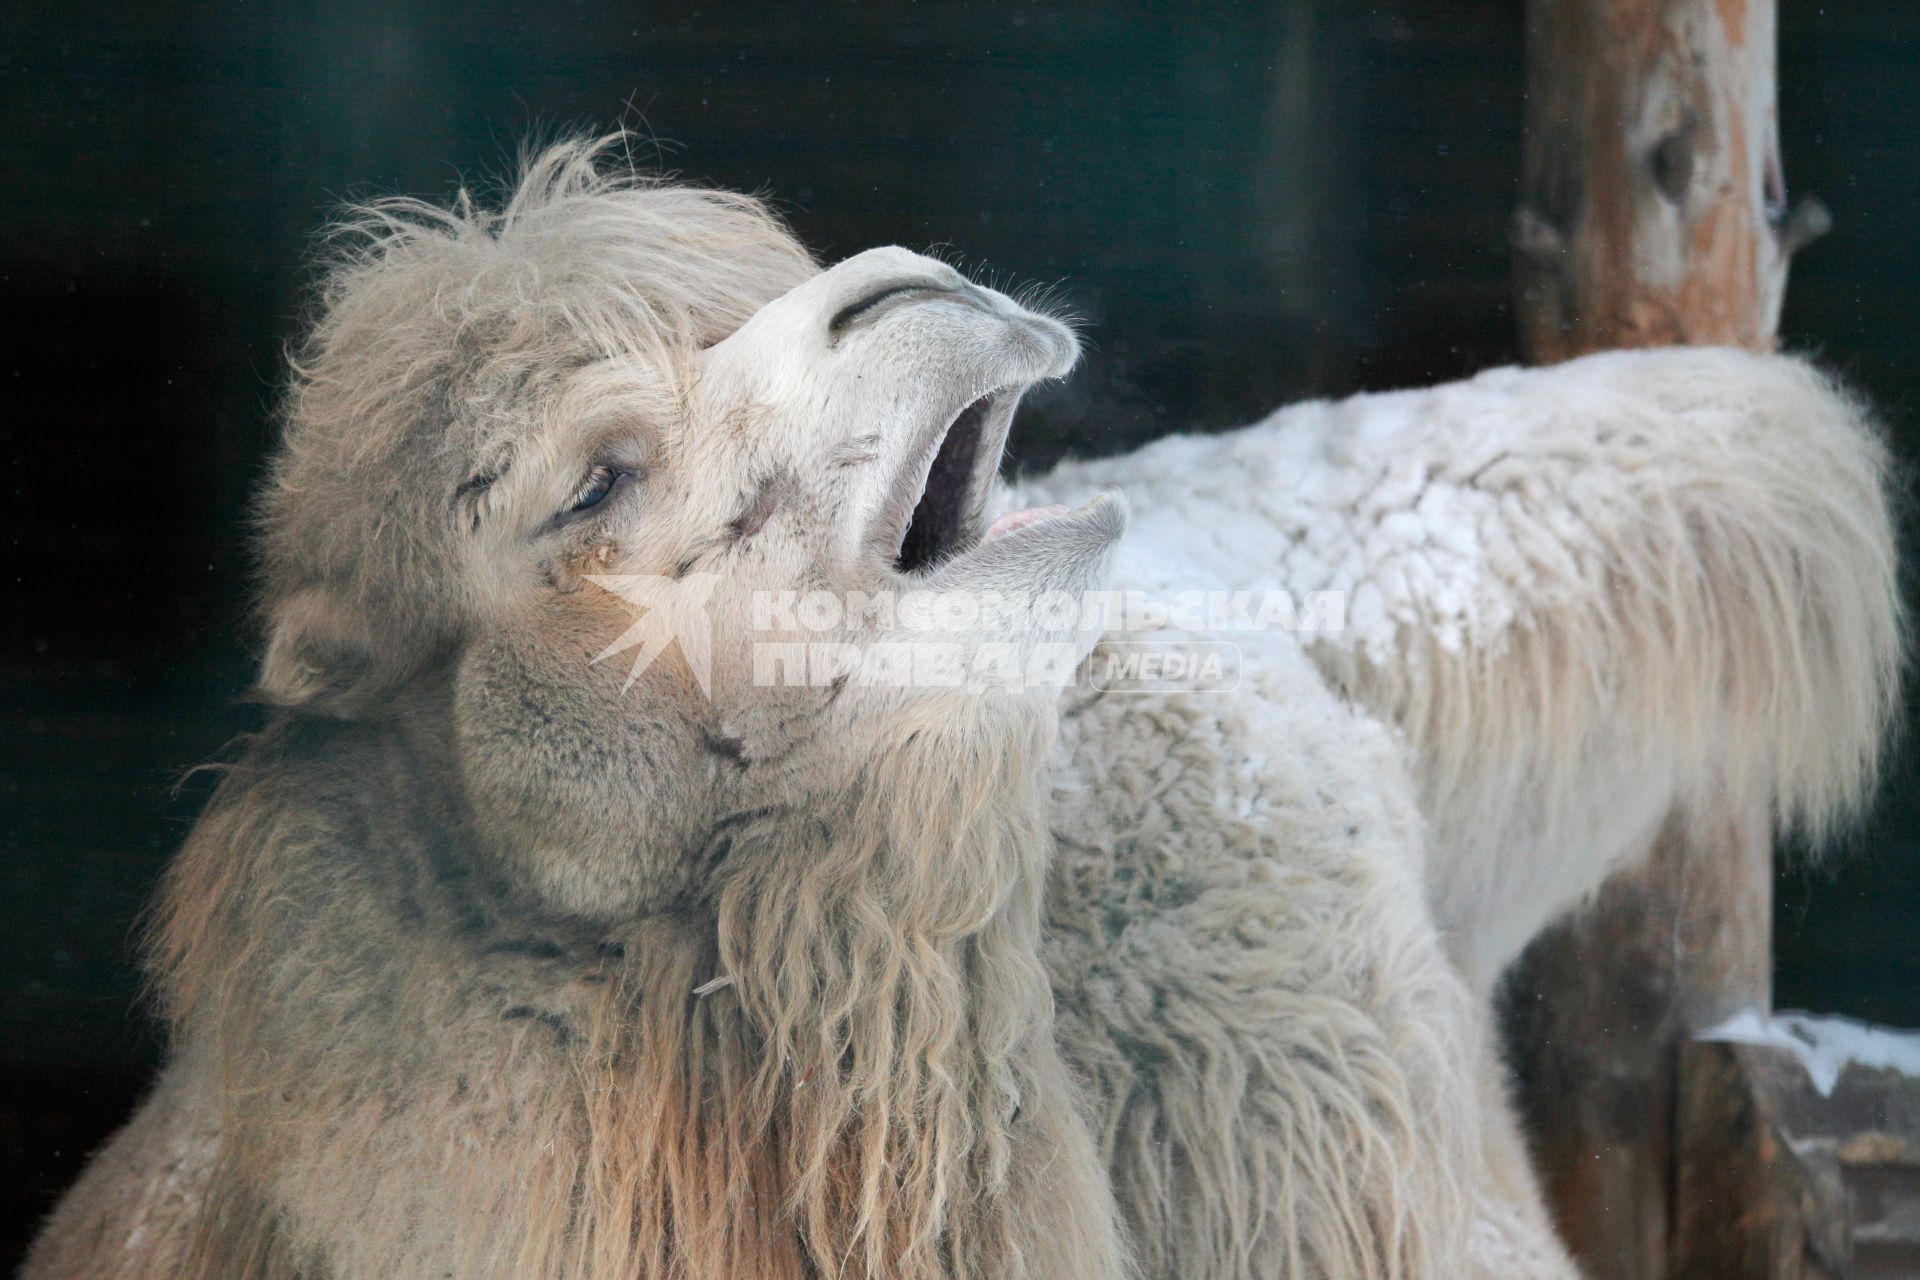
(323, 657)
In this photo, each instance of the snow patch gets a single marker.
(1825, 1045)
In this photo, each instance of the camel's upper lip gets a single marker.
(939, 499)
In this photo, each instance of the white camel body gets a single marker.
(1588, 595)
(1577, 600)
(1334, 862)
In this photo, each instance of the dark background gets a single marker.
(1248, 203)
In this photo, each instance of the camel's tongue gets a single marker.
(1021, 519)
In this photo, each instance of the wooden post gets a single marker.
(1598, 1012)
(1653, 205)
(1759, 1174)
(1652, 211)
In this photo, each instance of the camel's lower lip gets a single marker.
(941, 522)
(1021, 519)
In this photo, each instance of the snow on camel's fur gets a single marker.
(1589, 596)
(1585, 597)
(481, 963)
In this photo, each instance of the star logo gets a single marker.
(672, 611)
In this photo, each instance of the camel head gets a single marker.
(555, 478)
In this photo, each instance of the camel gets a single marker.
(595, 905)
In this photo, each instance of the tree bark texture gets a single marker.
(1652, 212)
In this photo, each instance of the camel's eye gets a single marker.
(599, 483)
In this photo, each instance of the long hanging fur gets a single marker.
(845, 1105)
(1582, 598)
(1588, 595)
(1282, 1063)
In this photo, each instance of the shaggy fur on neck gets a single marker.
(892, 968)
(846, 1102)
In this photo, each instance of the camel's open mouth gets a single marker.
(945, 521)
(949, 500)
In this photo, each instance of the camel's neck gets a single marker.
(871, 1091)
(885, 953)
